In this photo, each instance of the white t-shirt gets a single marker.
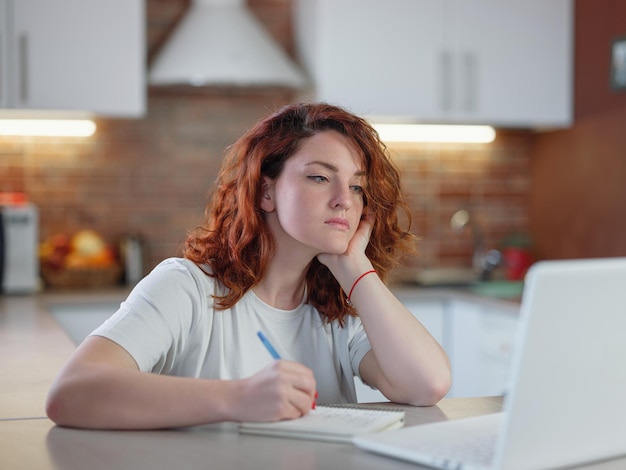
(169, 326)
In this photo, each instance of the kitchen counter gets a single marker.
(33, 348)
(39, 444)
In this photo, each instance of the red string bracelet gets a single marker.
(357, 281)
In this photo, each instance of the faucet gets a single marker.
(483, 261)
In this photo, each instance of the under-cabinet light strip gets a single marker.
(435, 133)
(47, 127)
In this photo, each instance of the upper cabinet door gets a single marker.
(513, 61)
(374, 57)
(500, 62)
(86, 55)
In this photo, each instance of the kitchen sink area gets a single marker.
(498, 289)
(464, 280)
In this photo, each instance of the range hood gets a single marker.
(220, 42)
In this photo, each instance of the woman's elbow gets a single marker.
(435, 390)
(62, 407)
(432, 389)
(423, 392)
(55, 408)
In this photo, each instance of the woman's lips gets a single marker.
(339, 223)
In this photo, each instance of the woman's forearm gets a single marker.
(103, 396)
(102, 388)
(415, 367)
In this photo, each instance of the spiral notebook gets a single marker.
(336, 423)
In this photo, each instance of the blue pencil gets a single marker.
(268, 345)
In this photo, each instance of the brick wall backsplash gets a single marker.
(150, 177)
(491, 181)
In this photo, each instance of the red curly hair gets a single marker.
(235, 240)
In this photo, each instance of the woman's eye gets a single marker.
(318, 178)
(357, 189)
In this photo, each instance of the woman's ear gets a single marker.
(267, 194)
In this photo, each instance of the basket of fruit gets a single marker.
(83, 260)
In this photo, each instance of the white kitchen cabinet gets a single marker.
(513, 61)
(482, 339)
(366, 394)
(73, 55)
(499, 62)
(431, 314)
(367, 54)
(478, 336)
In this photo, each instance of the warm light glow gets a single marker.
(47, 127)
(435, 133)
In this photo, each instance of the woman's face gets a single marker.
(317, 200)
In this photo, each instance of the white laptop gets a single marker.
(567, 399)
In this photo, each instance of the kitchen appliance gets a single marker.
(221, 42)
(19, 263)
(131, 251)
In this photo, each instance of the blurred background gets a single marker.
(551, 183)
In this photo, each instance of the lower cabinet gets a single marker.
(79, 320)
(480, 347)
(431, 314)
(478, 336)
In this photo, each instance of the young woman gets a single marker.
(300, 233)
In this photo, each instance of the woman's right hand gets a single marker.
(282, 390)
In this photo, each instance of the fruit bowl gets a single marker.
(81, 277)
(83, 260)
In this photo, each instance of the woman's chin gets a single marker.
(333, 250)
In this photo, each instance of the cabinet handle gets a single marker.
(23, 67)
(470, 74)
(2, 103)
(6, 57)
(447, 90)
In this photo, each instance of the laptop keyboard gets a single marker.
(460, 444)
(474, 451)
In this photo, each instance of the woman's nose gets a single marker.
(342, 197)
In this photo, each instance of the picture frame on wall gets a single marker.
(618, 64)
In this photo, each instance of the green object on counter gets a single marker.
(498, 289)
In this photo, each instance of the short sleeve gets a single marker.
(153, 324)
(358, 343)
